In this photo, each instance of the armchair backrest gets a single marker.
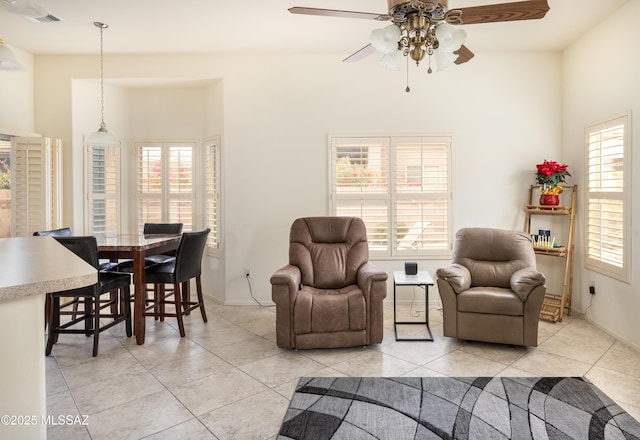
(493, 255)
(328, 250)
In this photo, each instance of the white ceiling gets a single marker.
(211, 26)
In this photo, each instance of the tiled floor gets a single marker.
(227, 379)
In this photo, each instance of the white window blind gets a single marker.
(212, 194)
(400, 187)
(35, 189)
(165, 181)
(608, 198)
(103, 190)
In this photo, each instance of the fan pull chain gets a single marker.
(408, 89)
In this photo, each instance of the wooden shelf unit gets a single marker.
(555, 303)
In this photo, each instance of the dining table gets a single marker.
(136, 247)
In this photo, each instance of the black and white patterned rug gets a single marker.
(483, 408)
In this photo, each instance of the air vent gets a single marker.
(46, 19)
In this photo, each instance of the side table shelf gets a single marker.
(554, 304)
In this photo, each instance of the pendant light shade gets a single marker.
(8, 60)
(101, 138)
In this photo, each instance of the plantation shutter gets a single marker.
(180, 185)
(422, 199)
(212, 191)
(607, 210)
(103, 190)
(35, 185)
(401, 188)
(360, 178)
(149, 184)
(165, 181)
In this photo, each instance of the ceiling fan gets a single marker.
(428, 27)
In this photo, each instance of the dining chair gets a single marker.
(86, 247)
(179, 272)
(151, 229)
(62, 232)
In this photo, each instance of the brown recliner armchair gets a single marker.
(328, 295)
(492, 291)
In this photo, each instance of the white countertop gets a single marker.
(38, 265)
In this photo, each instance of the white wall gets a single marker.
(504, 112)
(16, 97)
(600, 79)
(85, 119)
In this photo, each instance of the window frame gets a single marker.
(592, 262)
(212, 194)
(166, 196)
(391, 195)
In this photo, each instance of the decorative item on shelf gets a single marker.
(549, 175)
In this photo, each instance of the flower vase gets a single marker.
(549, 199)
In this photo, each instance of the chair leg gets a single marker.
(126, 306)
(88, 323)
(177, 300)
(54, 323)
(96, 323)
(186, 297)
(200, 299)
(47, 309)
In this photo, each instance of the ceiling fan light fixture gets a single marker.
(443, 59)
(8, 60)
(449, 37)
(385, 40)
(391, 61)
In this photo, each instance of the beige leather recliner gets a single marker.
(328, 295)
(492, 291)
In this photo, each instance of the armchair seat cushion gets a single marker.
(329, 310)
(490, 300)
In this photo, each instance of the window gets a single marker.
(165, 180)
(103, 197)
(401, 188)
(35, 185)
(608, 197)
(212, 194)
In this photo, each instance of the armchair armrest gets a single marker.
(285, 283)
(369, 272)
(525, 280)
(289, 276)
(456, 275)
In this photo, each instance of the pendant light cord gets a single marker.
(102, 26)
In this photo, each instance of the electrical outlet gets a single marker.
(247, 272)
(592, 289)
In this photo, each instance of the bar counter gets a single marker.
(30, 267)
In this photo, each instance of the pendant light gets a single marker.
(8, 60)
(101, 138)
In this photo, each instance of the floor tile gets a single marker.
(217, 390)
(191, 430)
(547, 364)
(227, 378)
(459, 363)
(254, 418)
(139, 418)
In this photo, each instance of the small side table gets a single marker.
(422, 279)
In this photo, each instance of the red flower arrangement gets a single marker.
(549, 175)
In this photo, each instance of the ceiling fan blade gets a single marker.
(360, 54)
(464, 54)
(527, 10)
(339, 13)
